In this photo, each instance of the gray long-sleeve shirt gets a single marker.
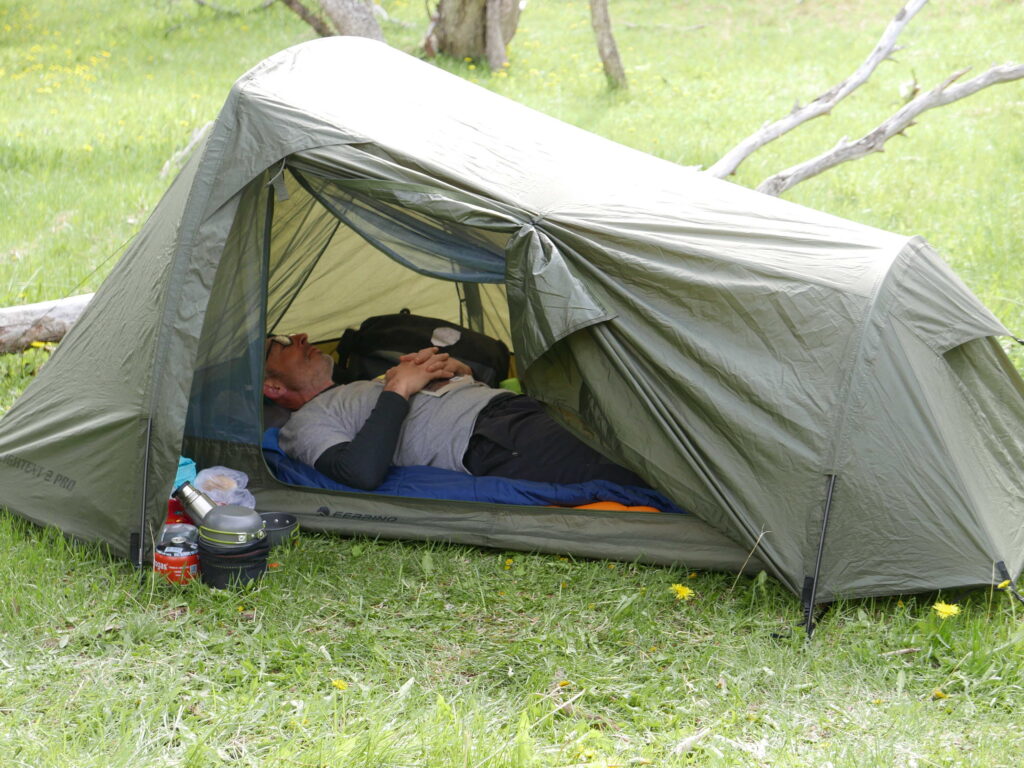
(435, 433)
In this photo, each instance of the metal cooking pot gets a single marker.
(231, 525)
(226, 525)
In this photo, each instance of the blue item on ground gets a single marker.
(186, 472)
(435, 483)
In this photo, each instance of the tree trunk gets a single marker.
(601, 21)
(477, 29)
(344, 17)
(352, 17)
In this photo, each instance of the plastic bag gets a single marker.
(225, 486)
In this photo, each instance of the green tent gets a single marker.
(827, 399)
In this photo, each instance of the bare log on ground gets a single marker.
(45, 321)
(601, 21)
(944, 93)
(822, 105)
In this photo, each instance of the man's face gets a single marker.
(299, 368)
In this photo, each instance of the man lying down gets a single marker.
(427, 411)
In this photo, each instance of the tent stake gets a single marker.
(1004, 574)
(811, 598)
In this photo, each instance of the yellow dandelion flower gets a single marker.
(945, 610)
(472, 66)
(341, 685)
(1003, 584)
(693, 575)
(468, 59)
(681, 592)
(563, 683)
(87, 147)
(938, 694)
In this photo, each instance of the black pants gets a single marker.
(514, 437)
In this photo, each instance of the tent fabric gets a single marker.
(744, 354)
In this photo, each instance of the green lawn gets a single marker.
(364, 653)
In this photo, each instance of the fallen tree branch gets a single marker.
(45, 321)
(822, 105)
(666, 27)
(944, 93)
(231, 11)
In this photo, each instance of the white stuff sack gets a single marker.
(225, 486)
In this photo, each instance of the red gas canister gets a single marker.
(177, 560)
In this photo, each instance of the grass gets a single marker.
(357, 652)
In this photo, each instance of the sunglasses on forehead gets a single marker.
(284, 341)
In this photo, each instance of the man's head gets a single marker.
(295, 371)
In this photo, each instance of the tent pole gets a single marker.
(811, 598)
(145, 494)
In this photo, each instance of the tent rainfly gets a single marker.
(828, 400)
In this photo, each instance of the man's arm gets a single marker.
(363, 463)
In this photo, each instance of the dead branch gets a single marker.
(822, 105)
(665, 27)
(901, 652)
(601, 21)
(45, 321)
(944, 93)
(320, 26)
(231, 11)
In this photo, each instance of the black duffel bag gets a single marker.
(378, 343)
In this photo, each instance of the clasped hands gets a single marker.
(421, 370)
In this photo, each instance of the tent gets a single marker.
(828, 400)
